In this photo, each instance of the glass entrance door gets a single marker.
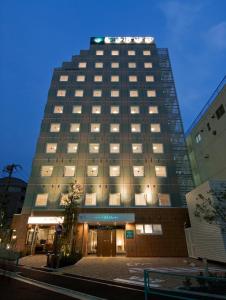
(92, 241)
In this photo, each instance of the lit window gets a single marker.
(94, 148)
(51, 148)
(63, 78)
(115, 65)
(74, 127)
(140, 199)
(61, 93)
(77, 109)
(72, 148)
(157, 148)
(69, 171)
(137, 148)
(114, 148)
(63, 199)
(132, 65)
(147, 65)
(99, 52)
(149, 229)
(90, 199)
(58, 109)
(114, 171)
(114, 109)
(149, 78)
(95, 127)
(98, 78)
(114, 78)
(55, 127)
(133, 93)
(114, 52)
(132, 78)
(155, 127)
(46, 171)
(82, 65)
(160, 171)
(96, 109)
(99, 65)
(114, 199)
(80, 78)
(139, 229)
(134, 109)
(164, 199)
(151, 93)
(153, 110)
(41, 199)
(131, 53)
(157, 228)
(135, 128)
(146, 52)
(79, 93)
(198, 138)
(97, 93)
(92, 171)
(114, 127)
(138, 171)
(114, 93)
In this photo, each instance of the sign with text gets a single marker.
(129, 234)
(106, 218)
(122, 40)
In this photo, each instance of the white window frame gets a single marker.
(61, 93)
(99, 65)
(94, 126)
(146, 52)
(92, 171)
(114, 148)
(151, 93)
(132, 65)
(63, 78)
(137, 148)
(58, 109)
(168, 200)
(115, 78)
(72, 147)
(82, 65)
(149, 78)
(69, 171)
(115, 93)
(77, 109)
(154, 126)
(157, 170)
(148, 65)
(79, 93)
(115, 107)
(135, 108)
(114, 171)
(115, 65)
(133, 78)
(43, 201)
(131, 52)
(98, 78)
(96, 109)
(97, 93)
(133, 93)
(80, 78)
(74, 127)
(99, 52)
(153, 110)
(158, 148)
(114, 199)
(140, 199)
(46, 171)
(114, 52)
(135, 127)
(52, 148)
(55, 127)
(94, 148)
(90, 199)
(137, 173)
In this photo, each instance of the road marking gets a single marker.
(50, 287)
(104, 283)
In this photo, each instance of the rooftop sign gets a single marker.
(122, 40)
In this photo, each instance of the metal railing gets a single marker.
(170, 285)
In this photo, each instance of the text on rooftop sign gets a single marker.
(122, 40)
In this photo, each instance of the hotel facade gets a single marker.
(111, 122)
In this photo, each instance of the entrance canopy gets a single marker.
(106, 218)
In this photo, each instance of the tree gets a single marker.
(212, 208)
(71, 204)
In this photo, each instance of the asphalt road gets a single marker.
(14, 289)
(102, 289)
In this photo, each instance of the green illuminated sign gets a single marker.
(122, 40)
(129, 234)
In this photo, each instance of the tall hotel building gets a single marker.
(112, 123)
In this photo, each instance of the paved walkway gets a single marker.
(125, 269)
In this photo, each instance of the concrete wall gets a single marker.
(207, 158)
(205, 240)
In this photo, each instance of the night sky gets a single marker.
(36, 36)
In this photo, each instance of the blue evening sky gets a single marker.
(36, 36)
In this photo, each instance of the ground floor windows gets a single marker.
(148, 229)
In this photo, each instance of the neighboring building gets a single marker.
(112, 122)
(12, 195)
(206, 139)
(205, 240)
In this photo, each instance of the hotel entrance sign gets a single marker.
(106, 218)
(122, 40)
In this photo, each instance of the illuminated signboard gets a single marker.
(122, 40)
(45, 220)
(106, 218)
